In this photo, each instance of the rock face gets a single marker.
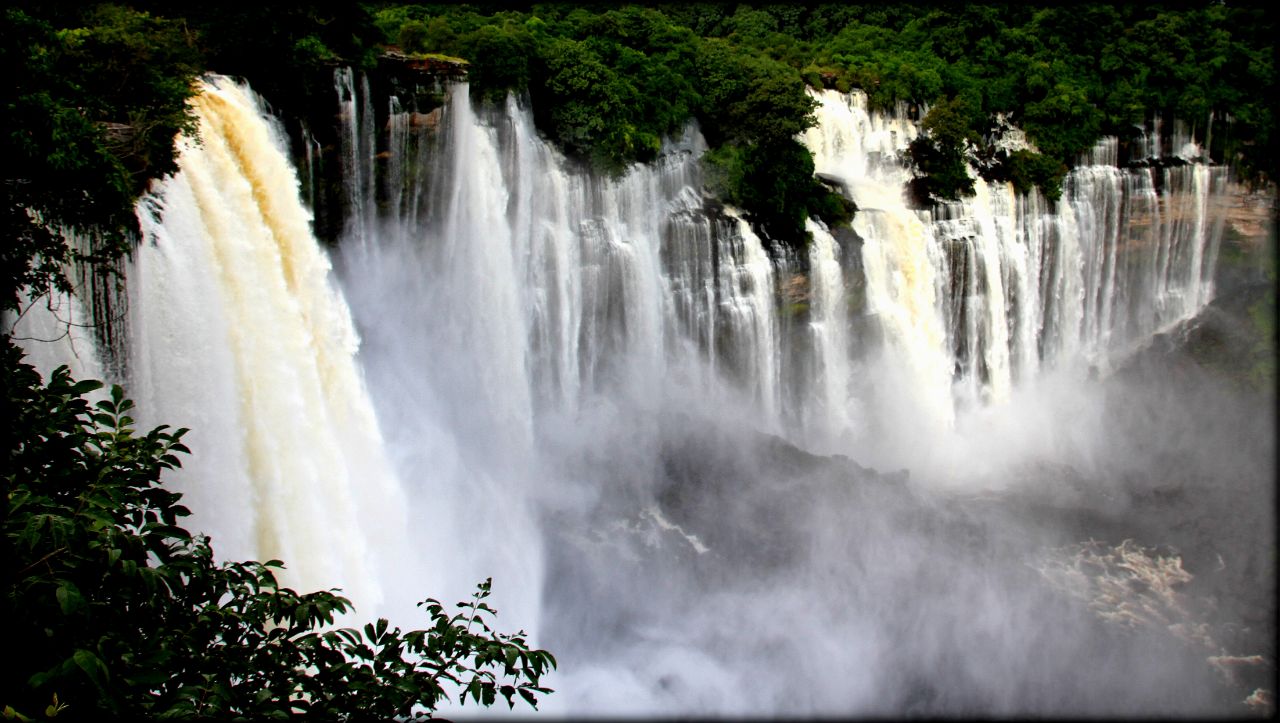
(418, 86)
(430, 66)
(1251, 214)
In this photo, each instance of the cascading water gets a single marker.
(963, 293)
(599, 391)
(900, 257)
(831, 373)
(531, 296)
(55, 330)
(238, 330)
(1130, 260)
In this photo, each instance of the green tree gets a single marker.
(93, 101)
(583, 99)
(774, 184)
(1027, 169)
(499, 58)
(412, 36)
(939, 156)
(115, 610)
(286, 51)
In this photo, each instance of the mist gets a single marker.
(713, 477)
(560, 374)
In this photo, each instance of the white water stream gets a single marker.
(239, 331)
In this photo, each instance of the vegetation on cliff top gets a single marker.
(607, 85)
(607, 82)
(93, 100)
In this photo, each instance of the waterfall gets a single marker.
(830, 325)
(357, 143)
(1144, 241)
(552, 284)
(977, 295)
(55, 330)
(525, 293)
(238, 331)
(901, 258)
(531, 296)
(603, 391)
(752, 314)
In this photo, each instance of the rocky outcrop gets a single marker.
(418, 82)
(1250, 214)
(427, 64)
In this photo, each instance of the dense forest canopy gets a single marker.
(97, 91)
(607, 82)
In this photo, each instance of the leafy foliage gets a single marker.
(98, 89)
(775, 183)
(608, 82)
(500, 57)
(286, 51)
(939, 156)
(95, 98)
(1068, 75)
(607, 85)
(1026, 169)
(118, 611)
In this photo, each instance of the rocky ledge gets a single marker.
(432, 64)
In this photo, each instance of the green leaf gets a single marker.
(83, 387)
(91, 665)
(69, 598)
(473, 689)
